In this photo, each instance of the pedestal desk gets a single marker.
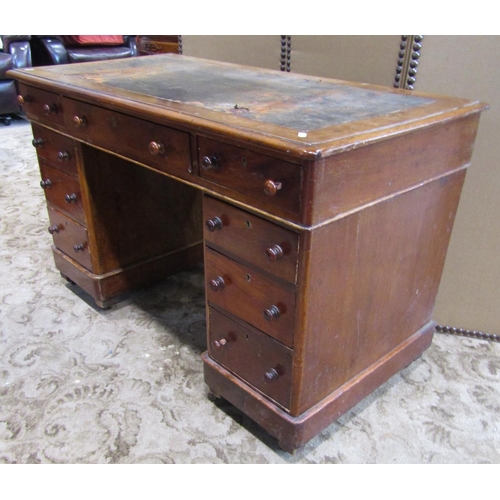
(322, 210)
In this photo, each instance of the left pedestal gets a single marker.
(115, 225)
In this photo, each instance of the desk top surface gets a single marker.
(301, 113)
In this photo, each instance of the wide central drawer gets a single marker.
(251, 238)
(155, 145)
(250, 295)
(252, 355)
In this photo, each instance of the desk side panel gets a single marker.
(368, 282)
(365, 174)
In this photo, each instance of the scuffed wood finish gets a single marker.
(213, 96)
(367, 283)
(327, 212)
(353, 179)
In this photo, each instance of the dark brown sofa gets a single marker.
(15, 52)
(64, 49)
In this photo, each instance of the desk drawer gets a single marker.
(57, 149)
(155, 145)
(252, 355)
(251, 238)
(70, 237)
(62, 192)
(251, 296)
(41, 105)
(275, 183)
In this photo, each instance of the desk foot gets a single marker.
(70, 281)
(212, 396)
(293, 432)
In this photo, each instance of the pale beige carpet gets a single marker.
(125, 385)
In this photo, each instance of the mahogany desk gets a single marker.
(322, 210)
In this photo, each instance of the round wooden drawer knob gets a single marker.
(214, 224)
(37, 142)
(272, 313)
(217, 284)
(70, 198)
(63, 156)
(271, 375)
(156, 148)
(275, 252)
(23, 99)
(53, 229)
(219, 343)
(79, 248)
(44, 184)
(50, 109)
(271, 187)
(210, 163)
(79, 121)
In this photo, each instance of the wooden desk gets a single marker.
(322, 209)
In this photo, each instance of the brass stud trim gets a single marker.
(286, 53)
(467, 333)
(407, 64)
